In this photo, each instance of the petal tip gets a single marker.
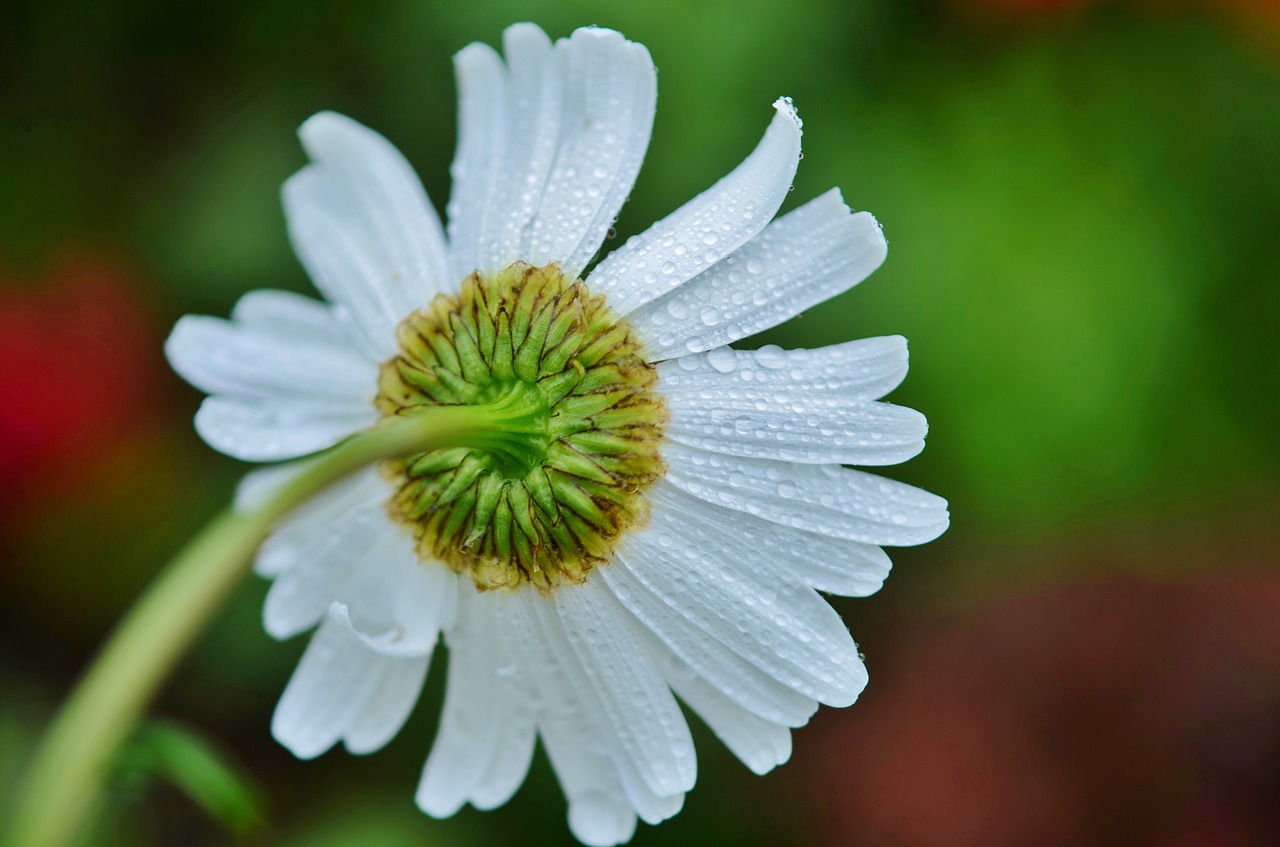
(180, 340)
(473, 56)
(602, 33)
(297, 738)
(315, 129)
(438, 804)
(525, 29)
(786, 111)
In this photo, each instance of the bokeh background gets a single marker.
(1082, 200)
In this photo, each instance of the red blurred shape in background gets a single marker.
(1115, 711)
(78, 357)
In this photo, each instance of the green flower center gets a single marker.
(543, 499)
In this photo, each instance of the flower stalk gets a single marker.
(75, 755)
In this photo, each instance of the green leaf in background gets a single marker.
(1067, 230)
(176, 755)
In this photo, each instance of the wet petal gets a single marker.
(708, 227)
(803, 258)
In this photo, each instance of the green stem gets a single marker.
(70, 764)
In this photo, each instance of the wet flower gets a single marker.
(659, 519)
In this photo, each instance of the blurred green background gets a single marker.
(1082, 201)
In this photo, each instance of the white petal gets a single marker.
(759, 744)
(610, 88)
(828, 500)
(509, 766)
(362, 225)
(332, 690)
(326, 691)
(481, 154)
(288, 312)
(388, 705)
(637, 702)
(568, 720)
(287, 546)
(783, 628)
(708, 227)
(398, 603)
(510, 762)
(651, 805)
(796, 426)
(601, 819)
(271, 362)
(341, 546)
(866, 369)
(533, 104)
(265, 430)
(285, 378)
(548, 148)
(300, 596)
(256, 488)
(485, 741)
(707, 652)
(833, 565)
(748, 735)
(802, 258)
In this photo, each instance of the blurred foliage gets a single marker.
(1081, 199)
(179, 756)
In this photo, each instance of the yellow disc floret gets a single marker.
(546, 504)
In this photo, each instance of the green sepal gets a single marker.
(475, 369)
(522, 510)
(530, 353)
(489, 491)
(540, 488)
(463, 478)
(565, 459)
(555, 388)
(574, 499)
(503, 350)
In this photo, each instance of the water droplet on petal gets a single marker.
(722, 359)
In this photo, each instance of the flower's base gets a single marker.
(545, 498)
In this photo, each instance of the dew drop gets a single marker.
(771, 356)
(722, 359)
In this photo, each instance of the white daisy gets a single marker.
(665, 530)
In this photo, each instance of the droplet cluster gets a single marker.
(549, 518)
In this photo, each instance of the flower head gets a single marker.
(658, 519)
(544, 508)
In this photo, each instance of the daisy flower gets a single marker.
(658, 526)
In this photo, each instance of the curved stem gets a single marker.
(71, 762)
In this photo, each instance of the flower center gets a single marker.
(543, 501)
